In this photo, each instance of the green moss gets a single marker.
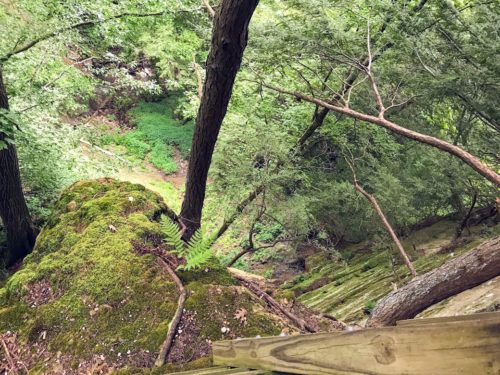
(104, 297)
(368, 276)
(317, 260)
(213, 273)
(215, 308)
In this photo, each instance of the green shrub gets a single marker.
(162, 157)
(346, 256)
(157, 132)
(267, 233)
(157, 122)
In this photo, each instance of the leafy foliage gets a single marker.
(197, 252)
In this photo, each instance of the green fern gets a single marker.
(197, 252)
(173, 236)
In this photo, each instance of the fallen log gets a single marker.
(457, 275)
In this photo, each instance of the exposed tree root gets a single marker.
(167, 344)
(272, 303)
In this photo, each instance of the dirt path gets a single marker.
(169, 186)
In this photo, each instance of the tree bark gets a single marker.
(13, 209)
(453, 277)
(229, 40)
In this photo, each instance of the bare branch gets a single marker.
(465, 156)
(374, 203)
(167, 344)
(210, 10)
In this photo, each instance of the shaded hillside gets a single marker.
(348, 286)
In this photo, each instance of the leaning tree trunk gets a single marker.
(229, 40)
(13, 209)
(453, 277)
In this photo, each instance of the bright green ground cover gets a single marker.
(156, 134)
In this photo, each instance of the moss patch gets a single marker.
(364, 276)
(95, 296)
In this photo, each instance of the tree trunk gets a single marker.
(229, 40)
(453, 277)
(13, 209)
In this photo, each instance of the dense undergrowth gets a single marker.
(156, 134)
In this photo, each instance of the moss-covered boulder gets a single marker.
(85, 296)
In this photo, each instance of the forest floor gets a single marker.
(344, 283)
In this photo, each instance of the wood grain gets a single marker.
(470, 347)
(449, 319)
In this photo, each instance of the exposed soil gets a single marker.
(39, 293)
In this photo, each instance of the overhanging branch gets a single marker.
(78, 25)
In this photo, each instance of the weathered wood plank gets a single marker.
(450, 319)
(204, 371)
(472, 347)
(223, 370)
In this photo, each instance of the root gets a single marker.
(272, 303)
(167, 344)
(9, 358)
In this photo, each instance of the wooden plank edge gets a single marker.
(450, 319)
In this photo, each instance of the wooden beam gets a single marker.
(449, 319)
(223, 370)
(472, 347)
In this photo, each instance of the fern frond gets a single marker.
(173, 235)
(199, 251)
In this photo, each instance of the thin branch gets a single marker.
(167, 344)
(78, 25)
(210, 10)
(13, 367)
(373, 201)
(272, 303)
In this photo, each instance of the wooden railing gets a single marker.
(453, 345)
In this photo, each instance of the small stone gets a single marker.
(71, 206)
(130, 199)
